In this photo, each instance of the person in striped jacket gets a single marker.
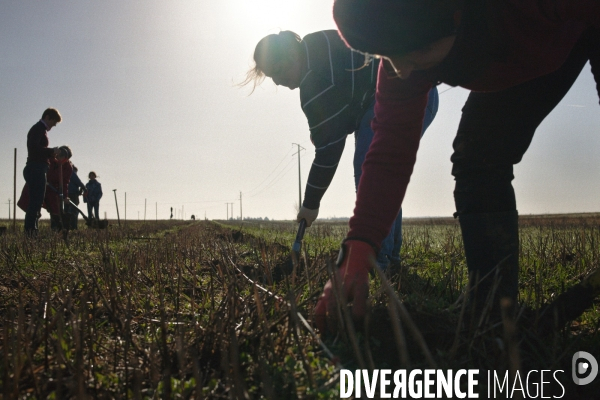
(337, 95)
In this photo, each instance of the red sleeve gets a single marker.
(399, 112)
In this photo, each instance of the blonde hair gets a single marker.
(270, 47)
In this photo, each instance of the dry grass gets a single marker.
(203, 310)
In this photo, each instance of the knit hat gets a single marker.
(393, 27)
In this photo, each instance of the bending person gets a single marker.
(519, 58)
(337, 96)
(59, 173)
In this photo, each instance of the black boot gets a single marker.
(491, 242)
(55, 223)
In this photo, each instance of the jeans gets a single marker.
(494, 133)
(95, 206)
(35, 177)
(390, 247)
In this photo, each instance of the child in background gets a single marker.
(94, 194)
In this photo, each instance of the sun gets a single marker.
(263, 17)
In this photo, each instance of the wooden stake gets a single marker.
(15, 195)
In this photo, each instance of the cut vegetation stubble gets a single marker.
(205, 310)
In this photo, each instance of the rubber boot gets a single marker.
(55, 223)
(491, 242)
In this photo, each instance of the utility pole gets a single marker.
(9, 209)
(241, 215)
(299, 178)
(156, 205)
(144, 210)
(227, 208)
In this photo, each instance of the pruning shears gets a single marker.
(299, 236)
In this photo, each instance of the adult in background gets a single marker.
(76, 188)
(519, 58)
(337, 95)
(93, 195)
(36, 168)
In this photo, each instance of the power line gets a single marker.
(270, 173)
(279, 176)
(450, 88)
(299, 178)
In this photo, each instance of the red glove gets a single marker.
(358, 258)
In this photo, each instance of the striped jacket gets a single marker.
(335, 93)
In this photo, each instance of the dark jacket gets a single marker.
(37, 144)
(94, 191)
(75, 185)
(335, 93)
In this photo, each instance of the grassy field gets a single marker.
(204, 309)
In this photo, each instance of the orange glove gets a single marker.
(355, 261)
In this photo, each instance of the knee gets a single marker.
(479, 196)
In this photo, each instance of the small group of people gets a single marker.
(377, 76)
(51, 181)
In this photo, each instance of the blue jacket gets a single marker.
(94, 191)
(74, 185)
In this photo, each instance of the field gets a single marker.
(209, 309)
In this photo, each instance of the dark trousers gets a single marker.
(496, 129)
(93, 206)
(35, 177)
(74, 197)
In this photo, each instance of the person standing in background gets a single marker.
(93, 195)
(36, 168)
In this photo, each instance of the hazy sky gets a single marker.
(148, 98)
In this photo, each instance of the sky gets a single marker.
(147, 91)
